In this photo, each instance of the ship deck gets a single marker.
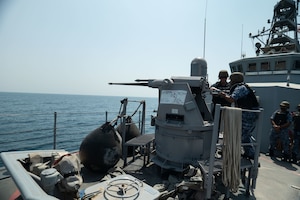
(276, 180)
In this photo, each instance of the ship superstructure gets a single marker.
(274, 72)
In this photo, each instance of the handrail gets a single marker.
(254, 169)
(65, 130)
(54, 131)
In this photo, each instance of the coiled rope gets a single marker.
(232, 125)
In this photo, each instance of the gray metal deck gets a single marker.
(276, 180)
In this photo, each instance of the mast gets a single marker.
(283, 32)
(242, 54)
(204, 30)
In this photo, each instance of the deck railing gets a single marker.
(58, 130)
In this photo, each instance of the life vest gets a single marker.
(247, 102)
(280, 118)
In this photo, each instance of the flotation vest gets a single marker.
(280, 118)
(247, 102)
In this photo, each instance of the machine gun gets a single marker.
(215, 91)
(183, 118)
(153, 83)
(140, 82)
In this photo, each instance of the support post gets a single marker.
(54, 131)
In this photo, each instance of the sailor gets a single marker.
(296, 123)
(221, 85)
(280, 120)
(243, 97)
(290, 132)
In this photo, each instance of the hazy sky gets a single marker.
(78, 47)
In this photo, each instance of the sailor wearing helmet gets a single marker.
(280, 120)
(243, 97)
(221, 85)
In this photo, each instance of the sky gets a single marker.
(78, 47)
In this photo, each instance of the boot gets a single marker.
(285, 157)
(294, 158)
(271, 152)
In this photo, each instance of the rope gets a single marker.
(232, 126)
(136, 110)
(121, 106)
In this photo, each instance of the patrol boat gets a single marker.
(181, 160)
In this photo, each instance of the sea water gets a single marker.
(27, 121)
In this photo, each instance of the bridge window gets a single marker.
(232, 68)
(251, 67)
(237, 68)
(265, 66)
(297, 65)
(280, 65)
(240, 68)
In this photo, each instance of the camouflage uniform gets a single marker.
(296, 121)
(248, 119)
(280, 117)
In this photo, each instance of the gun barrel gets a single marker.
(133, 84)
(143, 80)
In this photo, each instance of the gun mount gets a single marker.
(183, 125)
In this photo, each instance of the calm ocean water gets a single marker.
(27, 120)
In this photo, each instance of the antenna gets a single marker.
(242, 55)
(204, 31)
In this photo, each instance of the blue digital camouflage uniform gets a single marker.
(283, 135)
(248, 120)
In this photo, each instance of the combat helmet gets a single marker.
(236, 77)
(223, 74)
(285, 104)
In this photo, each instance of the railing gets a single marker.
(61, 130)
(253, 169)
(55, 126)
